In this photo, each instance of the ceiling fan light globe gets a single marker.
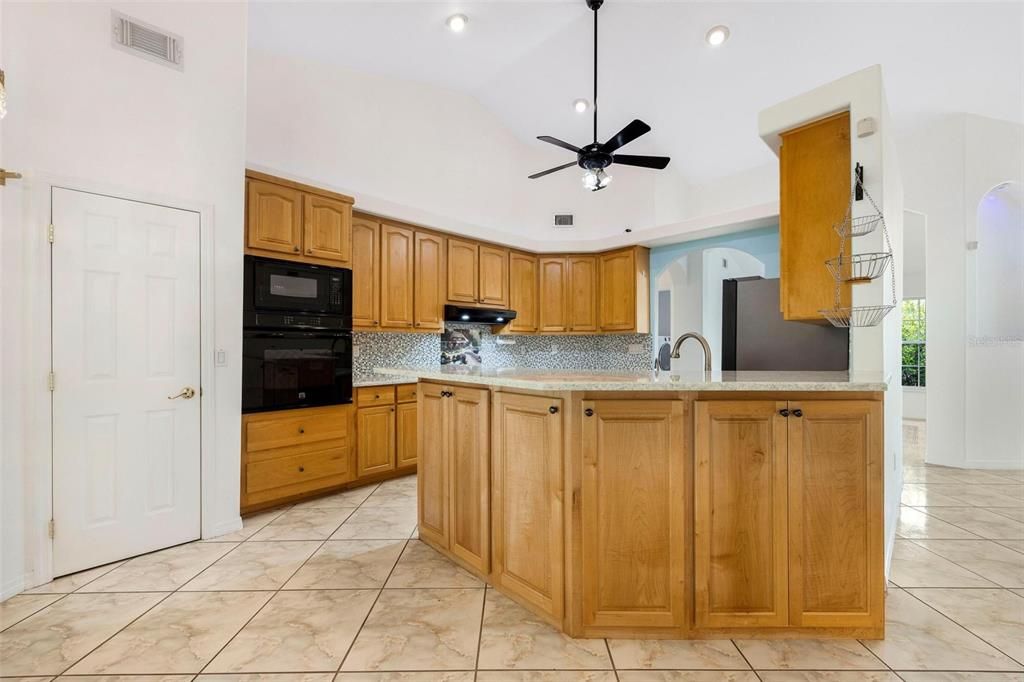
(580, 106)
(717, 35)
(457, 23)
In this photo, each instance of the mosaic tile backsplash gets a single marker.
(605, 351)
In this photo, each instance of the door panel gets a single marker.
(740, 552)
(126, 336)
(396, 276)
(633, 512)
(375, 431)
(617, 275)
(429, 286)
(582, 293)
(837, 572)
(493, 276)
(554, 313)
(365, 273)
(463, 271)
(328, 229)
(405, 436)
(432, 468)
(470, 476)
(522, 295)
(273, 217)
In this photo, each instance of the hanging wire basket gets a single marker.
(859, 267)
(857, 316)
(858, 227)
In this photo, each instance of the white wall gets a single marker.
(98, 117)
(915, 239)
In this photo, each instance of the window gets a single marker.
(913, 342)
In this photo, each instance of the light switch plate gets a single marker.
(635, 348)
(220, 358)
(355, 351)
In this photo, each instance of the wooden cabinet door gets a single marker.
(469, 478)
(327, 232)
(527, 528)
(433, 488)
(836, 541)
(814, 193)
(375, 433)
(522, 292)
(633, 513)
(428, 289)
(273, 217)
(396, 277)
(617, 275)
(740, 530)
(554, 313)
(582, 293)
(365, 273)
(463, 271)
(493, 287)
(406, 445)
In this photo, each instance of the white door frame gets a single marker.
(39, 432)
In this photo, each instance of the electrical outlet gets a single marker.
(355, 351)
(554, 348)
(635, 348)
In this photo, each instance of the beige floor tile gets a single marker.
(255, 566)
(827, 676)
(514, 638)
(545, 676)
(997, 616)
(250, 524)
(268, 677)
(981, 522)
(423, 566)
(1015, 513)
(808, 654)
(303, 524)
(686, 676)
(1017, 545)
(344, 499)
(916, 566)
(161, 571)
(70, 583)
(124, 678)
(919, 638)
(402, 497)
(27, 679)
(53, 639)
(921, 495)
(914, 523)
(666, 654)
(433, 676)
(298, 631)
(180, 635)
(960, 677)
(419, 630)
(381, 523)
(982, 495)
(929, 474)
(1015, 475)
(20, 607)
(986, 476)
(348, 564)
(988, 559)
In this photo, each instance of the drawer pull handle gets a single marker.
(589, 412)
(798, 412)
(301, 469)
(784, 412)
(553, 410)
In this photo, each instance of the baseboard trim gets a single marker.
(13, 587)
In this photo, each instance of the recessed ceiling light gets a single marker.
(457, 22)
(580, 105)
(717, 35)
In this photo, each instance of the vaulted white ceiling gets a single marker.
(527, 61)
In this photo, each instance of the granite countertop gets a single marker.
(604, 380)
(382, 380)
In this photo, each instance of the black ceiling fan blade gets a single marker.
(558, 143)
(658, 162)
(633, 130)
(552, 170)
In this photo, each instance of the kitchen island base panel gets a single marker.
(630, 541)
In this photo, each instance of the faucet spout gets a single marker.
(703, 343)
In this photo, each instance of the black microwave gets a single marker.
(282, 294)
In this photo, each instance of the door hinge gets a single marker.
(51, 381)
(49, 233)
(50, 528)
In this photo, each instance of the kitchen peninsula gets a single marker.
(623, 505)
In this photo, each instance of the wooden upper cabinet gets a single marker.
(527, 534)
(522, 292)
(554, 298)
(582, 293)
(633, 513)
(463, 271)
(493, 285)
(428, 289)
(814, 184)
(273, 217)
(397, 245)
(327, 229)
(624, 290)
(365, 272)
(836, 536)
(740, 529)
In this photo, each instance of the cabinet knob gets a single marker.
(589, 412)
(376, 396)
(302, 429)
(784, 412)
(309, 250)
(295, 249)
(553, 410)
(301, 469)
(798, 412)
(392, 409)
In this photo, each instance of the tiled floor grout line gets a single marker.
(872, 652)
(480, 635)
(739, 650)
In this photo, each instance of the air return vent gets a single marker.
(147, 41)
(562, 221)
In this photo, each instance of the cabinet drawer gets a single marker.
(406, 393)
(298, 469)
(304, 426)
(375, 395)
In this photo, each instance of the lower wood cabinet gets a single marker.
(454, 472)
(527, 533)
(633, 513)
(375, 452)
(385, 429)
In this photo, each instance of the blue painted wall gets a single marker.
(762, 243)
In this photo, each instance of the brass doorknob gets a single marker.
(6, 175)
(187, 393)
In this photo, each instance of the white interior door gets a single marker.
(126, 337)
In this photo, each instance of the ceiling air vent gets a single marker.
(147, 41)
(562, 221)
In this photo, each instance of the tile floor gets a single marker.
(340, 589)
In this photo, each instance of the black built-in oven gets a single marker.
(297, 335)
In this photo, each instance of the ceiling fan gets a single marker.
(595, 157)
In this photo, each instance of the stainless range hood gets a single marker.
(458, 313)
